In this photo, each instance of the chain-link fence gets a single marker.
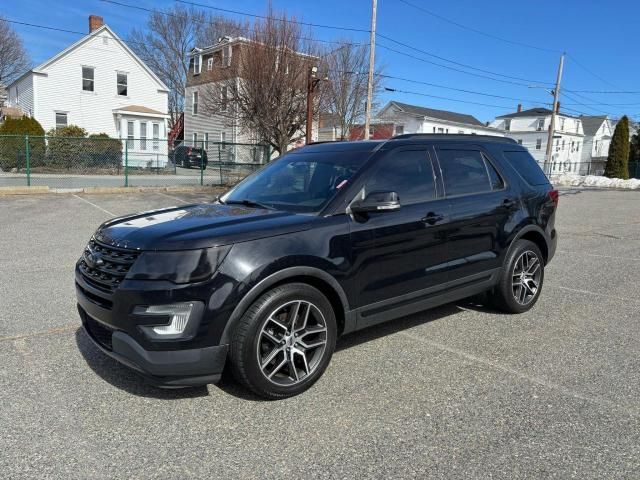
(100, 161)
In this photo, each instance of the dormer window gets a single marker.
(540, 125)
(196, 64)
(507, 124)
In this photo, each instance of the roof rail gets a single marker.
(453, 136)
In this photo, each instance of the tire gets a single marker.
(515, 293)
(274, 360)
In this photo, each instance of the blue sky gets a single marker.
(600, 36)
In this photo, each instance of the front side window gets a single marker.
(88, 79)
(156, 136)
(194, 106)
(206, 141)
(122, 84)
(61, 120)
(562, 124)
(408, 173)
(507, 125)
(130, 135)
(538, 143)
(224, 93)
(540, 124)
(464, 172)
(399, 129)
(210, 64)
(298, 181)
(223, 140)
(143, 135)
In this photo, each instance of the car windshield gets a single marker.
(298, 182)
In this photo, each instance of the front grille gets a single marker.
(98, 332)
(104, 267)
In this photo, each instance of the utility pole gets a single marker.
(372, 61)
(312, 82)
(552, 127)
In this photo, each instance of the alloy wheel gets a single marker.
(292, 342)
(526, 276)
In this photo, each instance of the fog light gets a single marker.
(177, 313)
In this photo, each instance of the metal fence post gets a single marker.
(126, 163)
(28, 159)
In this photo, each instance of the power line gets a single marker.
(480, 32)
(590, 71)
(424, 52)
(396, 90)
(253, 15)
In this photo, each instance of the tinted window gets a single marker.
(408, 173)
(496, 180)
(299, 182)
(527, 167)
(463, 172)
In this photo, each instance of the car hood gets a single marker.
(198, 226)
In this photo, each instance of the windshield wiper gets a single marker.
(248, 203)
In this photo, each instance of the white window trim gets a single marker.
(155, 132)
(55, 117)
(197, 64)
(210, 64)
(126, 75)
(93, 80)
(195, 100)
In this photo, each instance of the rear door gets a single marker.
(401, 252)
(482, 204)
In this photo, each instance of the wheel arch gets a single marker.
(534, 234)
(315, 277)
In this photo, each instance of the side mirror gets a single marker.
(376, 202)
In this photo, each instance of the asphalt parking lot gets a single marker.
(457, 392)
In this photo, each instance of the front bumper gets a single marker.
(164, 368)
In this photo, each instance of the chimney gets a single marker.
(558, 108)
(519, 108)
(95, 22)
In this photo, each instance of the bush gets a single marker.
(69, 148)
(13, 148)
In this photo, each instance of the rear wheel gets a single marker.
(284, 341)
(521, 282)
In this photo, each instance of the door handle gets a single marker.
(433, 218)
(509, 203)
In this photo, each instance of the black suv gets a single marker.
(189, 157)
(325, 240)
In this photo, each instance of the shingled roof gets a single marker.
(591, 123)
(439, 114)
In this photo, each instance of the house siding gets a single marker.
(21, 94)
(60, 88)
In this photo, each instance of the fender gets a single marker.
(291, 272)
(530, 227)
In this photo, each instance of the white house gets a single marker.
(597, 138)
(414, 119)
(531, 128)
(99, 84)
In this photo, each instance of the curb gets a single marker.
(34, 190)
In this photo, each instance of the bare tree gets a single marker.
(263, 91)
(13, 57)
(344, 96)
(168, 38)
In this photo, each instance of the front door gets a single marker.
(399, 253)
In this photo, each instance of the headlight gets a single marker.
(186, 266)
(169, 321)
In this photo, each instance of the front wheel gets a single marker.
(521, 282)
(284, 341)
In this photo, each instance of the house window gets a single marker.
(226, 56)
(210, 64)
(399, 129)
(121, 81)
(434, 129)
(461, 132)
(540, 125)
(519, 141)
(223, 99)
(440, 130)
(195, 139)
(206, 141)
(143, 135)
(87, 79)
(577, 146)
(196, 65)
(563, 143)
(223, 140)
(577, 126)
(538, 143)
(194, 106)
(507, 124)
(156, 136)
(562, 125)
(130, 135)
(447, 131)
(61, 120)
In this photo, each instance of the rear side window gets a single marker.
(406, 172)
(527, 167)
(465, 172)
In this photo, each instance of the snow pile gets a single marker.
(572, 180)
